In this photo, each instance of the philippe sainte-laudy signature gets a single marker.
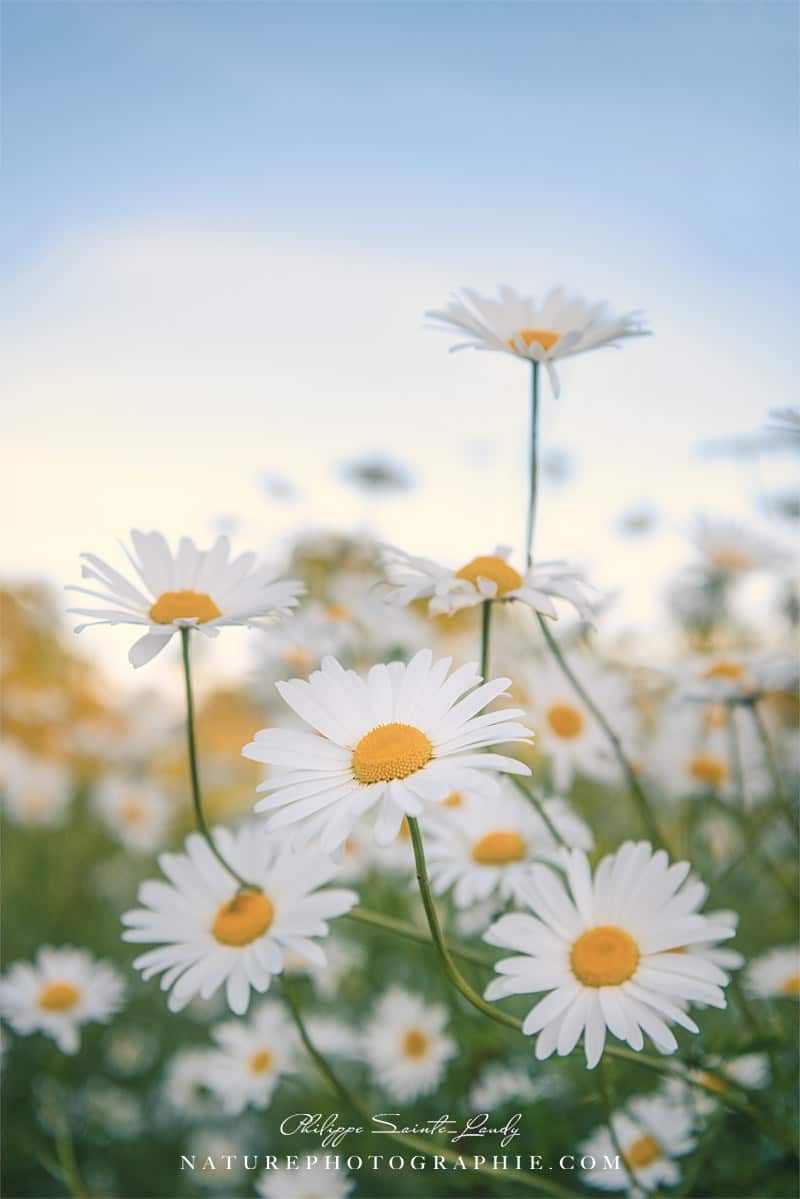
(331, 1133)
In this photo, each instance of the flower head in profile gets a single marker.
(775, 974)
(730, 550)
(33, 791)
(406, 1046)
(560, 326)
(251, 1057)
(651, 1134)
(192, 588)
(749, 1070)
(59, 992)
(209, 931)
(610, 950)
(486, 577)
(404, 736)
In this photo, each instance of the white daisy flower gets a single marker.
(605, 952)
(403, 737)
(405, 1044)
(481, 846)
(560, 327)
(498, 1085)
(35, 792)
(651, 1134)
(690, 753)
(775, 974)
(251, 1058)
(186, 1088)
(202, 589)
(732, 675)
(333, 1038)
(487, 577)
(729, 549)
(219, 1154)
(566, 731)
(309, 1181)
(211, 932)
(750, 1070)
(130, 1051)
(58, 993)
(135, 812)
(342, 958)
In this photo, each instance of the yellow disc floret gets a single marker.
(565, 721)
(605, 956)
(708, 769)
(184, 605)
(792, 985)
(391, 751)
(643, 1152)
(497, 570)
(260, 1062)
(415, 1043)
(58, 996)
(500, 848)
(546, 338)
(243, 919)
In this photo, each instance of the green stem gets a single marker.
(538, 804)
(193, 769)
(530, 526)
(404, 929)
(607, 1098)
(735, 756)
(636, 789)
(486, 625)
(785, 803)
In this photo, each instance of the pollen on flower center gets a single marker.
(58, 997)
(643, 1152)
(415, 1043)
(709, 769)
(792, 985)
(493, 568)
(604, 956)
(546, 338)
(260, 1062)
(454, 800)
(184, 605)
(499, 849)
(391, 751)
(134, 812)
(565, 721)
(243, 919)
(725, 669)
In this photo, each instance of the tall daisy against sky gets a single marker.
(402, 738)
(406, 1046)
(604, 948)
(210, 931)
(191, 588)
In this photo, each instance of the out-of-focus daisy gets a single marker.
(733, 675)
(211, 932)
(560, 327)
(775, 974)
(484, 845)
(202, 589)
(135, 812)
(59, 992)
(333, 1038)
(651, 1134)
(487, 577)
(566, 731)
(130, 1051)
(605, 950)
(691, 754)
(730, 550)
(186, 1088)
(342, 959)
(405, 1044)
(498, 1085)
(34, 792)
(309, 1181)
(750, 1070)
(218, 1155)
(251, 1057)
(109, 1112)
(403, 737)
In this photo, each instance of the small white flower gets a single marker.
(58, 993)
(498, 1085)
(608, 951)
(651, 1134)
(34, 792)
(186, 1087)
(751, 1070)
(403, 737)
(691, 753)
(487, 577)
(342, 958)
(481, 845)
(202, 589)
(560, 327)
(136, 813)
(219, 1155)
(406, 1046)
(309, 1181)
(730, 550)
(251, 1058)
(733, 675)
(211, 932)
(775, 974)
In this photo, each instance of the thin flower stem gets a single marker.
(193, 769)
(735, 756)
(530, 526)
(486, 626)
(607, 1098)
(787, 807)
(636, 789)
(538, 804)
(538, 1185)
(404, 929)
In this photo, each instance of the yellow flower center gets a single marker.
(184, 605)
(338, 612)
(565, 721)
(546, 338)
(643, 1152)
(499, 849)
(391, 751)
(731, 558)
(297, 657)
(58, 997)
(714, 1082)
(708, 769)
(724, 669)
(260, 1062)
(134, 812)
(415, 1043)
(715, 716)
(243, 919)
(604, 956)
(792, 985)
(493, 568)
(454, 800)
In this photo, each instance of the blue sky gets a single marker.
(223, 222)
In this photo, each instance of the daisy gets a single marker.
(480, 845)
(202, 589)
(730, 550)
(34, 792)
(186, 1088)
(498, 1085)
(691, 754)
(487, 577)
(406, 1046)
(750, 1070)
(312, 1181)
(731, 675)
(605, 950)
(218, 1155)
(775, 974)
(560, 327)
(58, 993)
(135, 813)
(651, 1134)
(211, 932)
(251, 1058)
(402, 737)
(342, 959)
